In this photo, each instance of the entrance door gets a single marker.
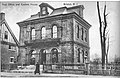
(32, 57)
(43, 56)
(54, 52)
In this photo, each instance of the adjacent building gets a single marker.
(8, 44)
(59, 37)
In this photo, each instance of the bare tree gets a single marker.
(107, 47)
(103, 34)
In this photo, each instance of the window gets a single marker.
(54, 52)
(0, 33)
(13, 48)
(9, 46)
(6, 35)
(43, 56)
(79, 55)
(11, 59)
(33, 33)
(77, 31)
(86, 53)
(54, 31)
(83, 55)
(43, 34)
(32, 57)
(82, 33)
(33, 54)
(85, 35)
(43, 10)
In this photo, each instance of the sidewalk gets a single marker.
(5, 74)
(50, 75)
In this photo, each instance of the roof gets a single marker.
(9, 29)
(56, 11)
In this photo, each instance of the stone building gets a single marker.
(59, 37)
(8, 44)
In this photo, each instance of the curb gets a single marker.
(37, 76)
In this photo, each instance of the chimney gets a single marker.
(2, 16)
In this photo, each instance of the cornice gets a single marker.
(81, 20)
(74, 42)
(45, 19)
(53, 18)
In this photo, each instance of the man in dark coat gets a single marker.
(37, 70)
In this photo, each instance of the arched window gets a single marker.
(54, 52)
(54, 31)
(43, 32)
(43, 10)
(77, 31)
(43, 56)
(33, 34)
(32, 57)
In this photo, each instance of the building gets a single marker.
(59, 37)
(8, 44)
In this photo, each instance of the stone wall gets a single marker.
(75, 29)
(80, 47)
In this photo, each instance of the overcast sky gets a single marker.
(16, 13)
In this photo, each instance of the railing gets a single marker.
(65, 68)
(108, 70)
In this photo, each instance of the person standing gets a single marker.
(37, 69)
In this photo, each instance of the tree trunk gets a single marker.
(101, 37)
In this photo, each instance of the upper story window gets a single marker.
(33, 33)
(43, 32)
(43, 10)
(78, 31)
(54, 31)
(6, 35)
(86, 35)
(82, 33)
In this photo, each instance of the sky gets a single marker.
(19, 11)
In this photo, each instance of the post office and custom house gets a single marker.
(57, 37)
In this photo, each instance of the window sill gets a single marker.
(12, 50)
(12, 62)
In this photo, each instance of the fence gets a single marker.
(108, 70)
(65, 68)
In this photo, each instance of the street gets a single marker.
(49, 75)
